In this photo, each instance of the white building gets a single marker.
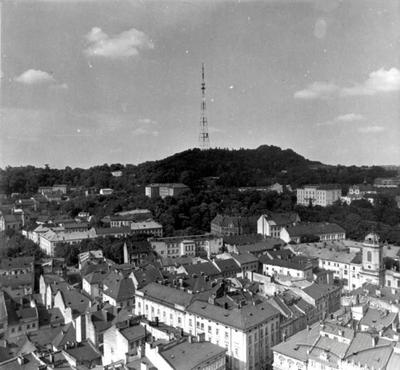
(247, 333)
(318, 195)
(272, 224)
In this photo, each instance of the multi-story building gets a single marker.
(330, 345)
(49, 239)
(149, 227)
(336, 257)
(297, 267)
(247, 332)
(322, 231)
(388, 182)
(10, 222)
(272, 224)
(165, 190)
(188, 245)
(223, 225)
(190, 353)
(123, 343)
(318, 195)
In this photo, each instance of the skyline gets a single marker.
(112, 82)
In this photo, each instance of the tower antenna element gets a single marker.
(204, 137)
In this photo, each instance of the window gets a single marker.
(369, 256)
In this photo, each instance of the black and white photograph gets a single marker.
(200, 184)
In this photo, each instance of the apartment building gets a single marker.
(246, 332)
(322, 231)
(165, 190)
(318, 195)
(272, 224)
(188, 245)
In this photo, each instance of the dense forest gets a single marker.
(230, 168)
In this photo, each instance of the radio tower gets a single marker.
(204, 137)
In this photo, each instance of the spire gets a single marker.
(204, 138)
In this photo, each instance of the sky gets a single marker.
(91, 82)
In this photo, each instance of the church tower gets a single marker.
(373, 268)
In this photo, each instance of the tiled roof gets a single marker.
(228, 265)
(317, 291)
(206, 268)
(243, 239)
(84, 351)
(314, 228)
(167, 295)
(240, 318)
(134, 332)
(245, 258)
(282, 219)
(187, 355)
(16, 263)
(118, 287)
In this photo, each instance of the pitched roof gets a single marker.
(118, 287)
(227, 265)
(166, 295)
(205, 268)
(241, 318)
(245, 258)
(187, 355)
(282, 218)
(314, 228)
(16, 263)
(133, 333)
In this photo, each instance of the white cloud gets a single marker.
(141, 131)
(126, 44)
(318, 89)
(344, 118)
(147, 121)
(371, 129)
(349, 117)
(380, 81)
(215, 130)
(34, 76)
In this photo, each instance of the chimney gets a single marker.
(20, 360)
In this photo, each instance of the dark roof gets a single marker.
(227, 265)
(295, 262)
(314, 228)
(74, 299)
(118, 287)
(187, 355)
(16, 263)
(205, 268)
(236, 221)
(167, 295)
(138, 246)
(245, 258)
(262, 246)
(242, 239)
(282, 218)
(241, 318)
(146, 275)
(317, 291)
(83, 352)
(112, 230)
(134, 332)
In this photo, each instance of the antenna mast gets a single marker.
(204, 137)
